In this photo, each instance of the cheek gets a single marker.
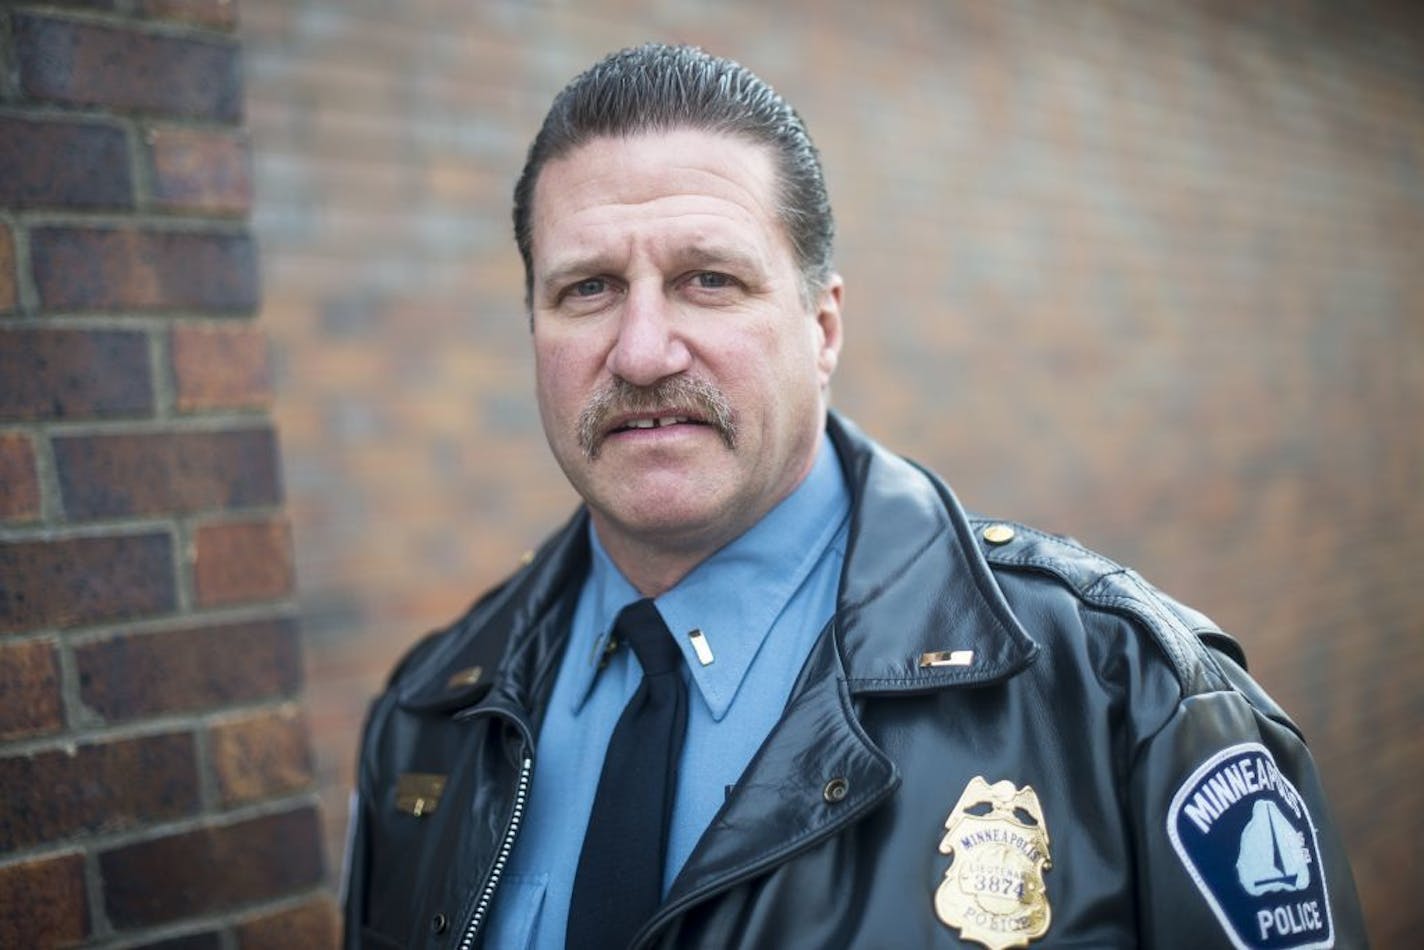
(557, 376)
(784, 357)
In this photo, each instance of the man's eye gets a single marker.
(591, 287)
(711, 280)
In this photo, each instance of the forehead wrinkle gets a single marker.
(584, 258)
(680, 240)
(614, 172)
(631, 188)
(635, 179)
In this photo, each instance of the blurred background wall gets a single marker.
(1143, 271)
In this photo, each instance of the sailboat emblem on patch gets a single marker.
(1248, 841)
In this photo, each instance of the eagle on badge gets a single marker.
(993, 891)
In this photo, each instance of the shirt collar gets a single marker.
(735, 596)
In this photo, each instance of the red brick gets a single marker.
(200, 170)
(220, 14)
(30, 704)
(261, 756)
(220, 367)
(70, 374)
(312, 926)
(64, 165)
(9, 293)
(144, 674)
(128, 268)
(235, 562)
(91, 65)
(43, 902)
(222, 867)
(104, 476)
(19, 483)
(83, 580)
(102, 787)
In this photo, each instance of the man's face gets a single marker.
(665, 294)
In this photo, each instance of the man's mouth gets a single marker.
(619, 406)
(657, 423)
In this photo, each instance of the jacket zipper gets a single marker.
(506, 845)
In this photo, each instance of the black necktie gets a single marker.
(620, 872)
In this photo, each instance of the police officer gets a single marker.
(771, 686)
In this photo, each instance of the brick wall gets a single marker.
(1146, 272)
(156, 779)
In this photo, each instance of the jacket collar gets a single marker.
(504, 651)
(914, 583)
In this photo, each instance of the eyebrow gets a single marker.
(711, 255)
(578, 267)
(694, 256)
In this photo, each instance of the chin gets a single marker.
(651, 520)
(660, 515)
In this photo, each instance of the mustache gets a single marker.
(674, 395)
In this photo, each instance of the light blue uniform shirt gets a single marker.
(761, 602)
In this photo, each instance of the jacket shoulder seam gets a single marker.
(1110, 586)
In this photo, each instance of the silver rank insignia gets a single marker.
(993, 891)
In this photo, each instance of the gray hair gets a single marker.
(659, 88)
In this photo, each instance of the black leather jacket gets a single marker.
(952, 663)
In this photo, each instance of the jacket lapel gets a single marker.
(504, 652)
(816, 772)
(918, 607)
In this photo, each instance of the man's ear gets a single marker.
(828, 327)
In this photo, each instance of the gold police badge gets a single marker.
(993, 890)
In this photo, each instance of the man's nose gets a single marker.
(650, 345)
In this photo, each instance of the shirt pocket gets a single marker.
(521, 899)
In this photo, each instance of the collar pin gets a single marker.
(700, 646)
(947, 658)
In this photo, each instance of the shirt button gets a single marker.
(836, 790)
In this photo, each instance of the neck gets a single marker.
(654, 562)
(654, 566)
(653, 575)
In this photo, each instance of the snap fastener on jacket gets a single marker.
(467, 677)
(998, 534)
(836, 790)
(439, 924)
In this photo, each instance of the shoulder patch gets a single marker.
(1247, 839)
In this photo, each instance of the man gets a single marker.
(849, 714)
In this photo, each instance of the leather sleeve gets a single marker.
(353, 874)
(362, 834)
(1235, 844)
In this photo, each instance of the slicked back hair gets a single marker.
(661, 88)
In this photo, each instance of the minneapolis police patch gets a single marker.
(1244, 833)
